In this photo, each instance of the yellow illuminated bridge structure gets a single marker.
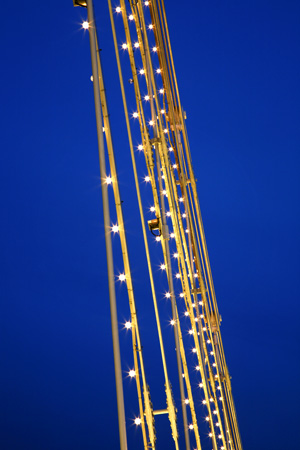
(205, 415)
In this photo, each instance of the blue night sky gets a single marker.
(237, 65)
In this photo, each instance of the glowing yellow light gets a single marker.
(168, 214)
(140, 147)
(178, 275)
(158, 238)
(194, 350)
(142, 71)
(219, 388)
(91, 78)
(85, 25)
(174, 166)
(152, 209)
(163, 267)
(204, 402)
(215, 412)
(135, 115)
(118, 9)
(208, 341)
(197, 367)
(191, 332)
(186, 401)
(201, 303)
(164, 192)
(175, 255)
(103, 129)
(131, 17)
(172, 322)
(218, 425)
(147, 178)
(108, 180)
(207, 418)
(124, 46)
(128, 325)
(210, 435)
(147, 97)
(184, 215)
(221, 399)
(151, 123)
(196, 319)
(172, 235)
(165, 130)
(181, 294)
(131, 373)
(150, 26)
(191, 426)
(181, 199)
(136, 45)
(122, 277)
(214, 365)
(115, 228)
(202, 317)
(195, 275)
(193, 305)
(168, 295)
(154, 49)
(137, 421)
(161, 91)
(211, 399)
(158, 71)
(220, 437)
(204, 329)
(146, 3)
(186, 230)
(201, 385)
(162, 111)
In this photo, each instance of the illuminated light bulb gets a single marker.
(158, 238)
(191, 332)
(207, 419)
(184, 215)
(201, 303)
(165, 130)
(201, 385)
(210, 435)
(115, 228)
(142, 71)
(103, 129)
(172, 322)
(221, 399)
(220, 437)
(164, 192)
(168, 295)
(137, 421)
(222, 448)
(161, 91)
(146, 3)
(162, 111)
(163, 177)
(140, 147)
(186, 313)
(91, 78)
(208, 341)
(216, 376)
(152, 209)
(163, 267)
(174, 166)
(131, 373)
(191, 426)
(118, 9)
(158, 71)
(211, 399)
(150, 26)
(218, 425)
(122, 277)
(181, 294)
(211, 353)
(215, 412)
(181, 199)
(186, 401)
(175, 255)
(108, 180)
(135, 115)
(178, 275)
(147, 97)
(194, 350)
(170, 149)
(136, 45)
(214, 365)
(128, 325)
(151, 123)
(196, 319)
(197, 367)
(172, 235)
(202, 316)
(168, 214)
(147, 178)
(193, 305)
(186, 230)
(204, 402)
(154, 49)
(124, 46)
(85, 25)
(195, 275)
(219, 388)
(131, 17)
(183, 375)
(204, 329)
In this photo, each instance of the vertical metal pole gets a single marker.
(109, 254)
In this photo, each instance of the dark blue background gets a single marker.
(237, 65)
